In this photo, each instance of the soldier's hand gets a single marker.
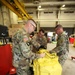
(40, 55)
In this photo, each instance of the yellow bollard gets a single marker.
(74, 42)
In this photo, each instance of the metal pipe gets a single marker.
(51, 3)
(11, 8)
(54, 20)
(21, 8)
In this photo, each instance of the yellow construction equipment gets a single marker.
(17, 8)
(19, 5)
(11, 8)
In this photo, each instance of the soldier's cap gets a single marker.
(32, 22)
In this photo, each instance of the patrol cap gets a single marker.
(32, 22)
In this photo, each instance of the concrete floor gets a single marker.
(69, 66)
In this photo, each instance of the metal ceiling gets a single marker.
(45, 5)
(69, 4)
(33, 1)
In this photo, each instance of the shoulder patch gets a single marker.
(25, 39)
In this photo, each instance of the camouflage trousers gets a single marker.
(63, 58)
(21, 71)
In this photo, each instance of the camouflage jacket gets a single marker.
(37, 41)
(62, 44)
(21, 49)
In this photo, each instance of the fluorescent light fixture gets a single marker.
(63, 5)
(39, 6)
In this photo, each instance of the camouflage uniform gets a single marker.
(22, 52)
(62, 47)
(38, 41)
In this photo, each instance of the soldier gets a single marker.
(39, 39)
(22, 53)
(62, 47)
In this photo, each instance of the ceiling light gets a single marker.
(39, 6)
(63, 5)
